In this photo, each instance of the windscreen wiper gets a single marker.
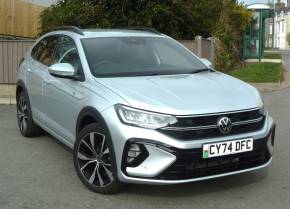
(202, 70)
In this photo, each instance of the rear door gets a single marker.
(41, 57)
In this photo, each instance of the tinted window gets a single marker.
(122, 56)
(66, 52)
(38, 50)
(44, 50)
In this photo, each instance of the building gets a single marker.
(282, 28)
(269, 33)
(278, 28)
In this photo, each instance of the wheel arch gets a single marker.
(96, 117)
(89, 115)
(20, 87)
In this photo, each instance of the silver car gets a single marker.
(138, 107)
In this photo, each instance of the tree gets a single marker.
(233, 20)
(183, 19)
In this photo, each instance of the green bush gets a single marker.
(229, 30)
(179, 19)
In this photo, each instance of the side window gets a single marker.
(66, 52)
(37, 50)
(44, 50)
(47, 55)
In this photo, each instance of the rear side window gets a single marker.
(44, 50)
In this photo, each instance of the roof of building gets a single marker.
(258, 6)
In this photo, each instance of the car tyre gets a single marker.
(94, 160)
(26, 124)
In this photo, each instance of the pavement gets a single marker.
(7, 94)
(268, 87)
(38, 173)
(263, 60)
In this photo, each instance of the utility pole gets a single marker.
(273, 27)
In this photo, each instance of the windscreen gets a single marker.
(138, 56)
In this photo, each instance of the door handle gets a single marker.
(29, 70)
(47, 82)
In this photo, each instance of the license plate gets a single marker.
(227, 148)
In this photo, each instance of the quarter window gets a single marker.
(37, 50)
(44, 50)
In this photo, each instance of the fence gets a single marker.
(204, 48)
(11, 52)
(19, 18)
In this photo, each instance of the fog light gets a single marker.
(136, 154)
(133, 152)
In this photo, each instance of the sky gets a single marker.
(41, 2)
(256, 1)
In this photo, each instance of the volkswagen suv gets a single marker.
(138, 107)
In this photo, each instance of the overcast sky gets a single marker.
(41, 2)
(257, 1)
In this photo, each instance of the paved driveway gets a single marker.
(38, 173)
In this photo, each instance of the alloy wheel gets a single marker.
(22, 114)
(93, 156)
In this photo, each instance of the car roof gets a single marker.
(94, 33)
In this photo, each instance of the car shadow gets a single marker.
(201, 187)
(187, 189)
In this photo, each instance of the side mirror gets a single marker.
(206, 62)
(62, 70)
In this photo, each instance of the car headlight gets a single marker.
(143, 118)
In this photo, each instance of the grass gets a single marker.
(268, 55)
(259, 72)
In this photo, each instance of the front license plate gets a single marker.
(227, 148)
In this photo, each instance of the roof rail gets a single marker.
(143, 28)
(70, 28)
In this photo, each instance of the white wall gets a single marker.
(282, 28)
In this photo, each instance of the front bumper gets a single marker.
(173, 161)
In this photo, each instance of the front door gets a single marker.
(62, 97)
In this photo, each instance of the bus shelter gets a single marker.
(254, 36)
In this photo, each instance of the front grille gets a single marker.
(199, 127)
(190, 164)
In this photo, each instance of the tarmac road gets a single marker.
(38, 173)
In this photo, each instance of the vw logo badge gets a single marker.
(224, 125)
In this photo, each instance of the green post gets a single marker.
(261, 35)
